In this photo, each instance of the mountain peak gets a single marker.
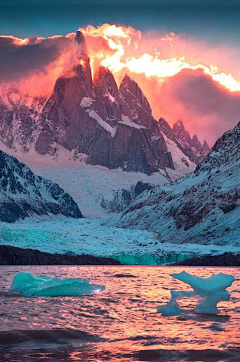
(205, 148)
(24, 194)
(126, 79)
(179, 123)
(224, 152)
(79, 37)
(191, 147)
(130, 89)
(81, 45)
(104, 83)
(181, 133)
(177, 126)
(201, 204)
(196, 143)
(195, 136)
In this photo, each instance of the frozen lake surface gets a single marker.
(120, 323)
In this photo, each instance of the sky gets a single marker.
(216, 20)
(189, 50)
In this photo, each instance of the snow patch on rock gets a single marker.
(102, 123)
(131, 124)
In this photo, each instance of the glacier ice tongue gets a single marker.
(45, 286)
(209, 292)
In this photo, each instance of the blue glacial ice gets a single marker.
(30, 285)
(208, 291)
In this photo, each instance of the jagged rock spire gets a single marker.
(205, 147)
(79, 38)
(181, 133)
(81, 45)
(130, 89)
(196, 143)
(104, 82)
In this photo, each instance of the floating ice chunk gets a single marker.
(172, 308)
(202, 286)
(30, 285)
(209, 291)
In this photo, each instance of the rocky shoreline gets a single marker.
(11, 255)
(226, 259)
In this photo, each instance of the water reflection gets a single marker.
(119, 324)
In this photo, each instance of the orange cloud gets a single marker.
(154, 54)
(162, 64)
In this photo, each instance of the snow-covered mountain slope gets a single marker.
(90, 186)
(202, 208)
(23, 194)
(19, 115)
(182, 163)
(94, 188)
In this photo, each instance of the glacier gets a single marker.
(97, 238)
(30, 285)
(208, 291)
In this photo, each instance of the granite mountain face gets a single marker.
(111, 126)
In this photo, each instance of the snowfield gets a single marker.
(88, 185)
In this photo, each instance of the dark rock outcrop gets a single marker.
(226, 259)
(123, 198)
(191, 147)
(10, 255)
(88, 117)
(24, 194)
(141, 187)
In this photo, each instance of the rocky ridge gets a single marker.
(202, 208)
(10, 255)
(190, 146)
(24, 194)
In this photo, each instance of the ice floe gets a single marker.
(45, 286)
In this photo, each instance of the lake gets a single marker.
(119, 324)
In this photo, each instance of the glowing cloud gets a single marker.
(124, 41)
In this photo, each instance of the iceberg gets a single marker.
(172, 308)
(209, 292)
(30, 285)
